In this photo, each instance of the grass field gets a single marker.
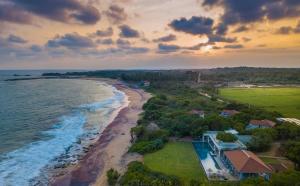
(179, 159)
(283, 100)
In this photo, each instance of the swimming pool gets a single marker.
(207, 160)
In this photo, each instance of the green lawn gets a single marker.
(179, 159)
(283, 100)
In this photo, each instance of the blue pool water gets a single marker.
(207, 160)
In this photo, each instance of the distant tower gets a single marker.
(199, 77)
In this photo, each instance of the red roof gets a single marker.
(265, 122)
(246, 162)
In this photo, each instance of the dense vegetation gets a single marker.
(112, 177)
(218, 75)
(138, 174)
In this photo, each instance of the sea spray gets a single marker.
(68, 140)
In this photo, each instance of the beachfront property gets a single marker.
(253, 124)
(228, 113)
(200, 113)
(229, 160)
(244, 164)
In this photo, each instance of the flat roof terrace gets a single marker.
(219, 146)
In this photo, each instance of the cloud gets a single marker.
(163, 48)
(123, 43)
(16, 39)
(194, 25)
(234, 46)
(250, 11)
(218, 38)
(71, 41)
(168, 38)
(68, 11)
(242, 28)
(128, 32)
(116, 14)
(103, 33)
(108, 41)
(284, 30)
(11, 13)
(36, 48)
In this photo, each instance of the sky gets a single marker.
(148, 34)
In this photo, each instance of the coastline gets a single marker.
(110, 150)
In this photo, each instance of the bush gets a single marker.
(144, 147)
(138, 174)
(112, 177)
(226, 137)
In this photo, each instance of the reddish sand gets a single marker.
(110, 151)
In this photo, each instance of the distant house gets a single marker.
(253, 124)
(146, 83)
(228, 113)
(244, 164)
(200, 113)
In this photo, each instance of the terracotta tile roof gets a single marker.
(265, 122)
(246, 162)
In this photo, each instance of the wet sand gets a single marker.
(110, 150)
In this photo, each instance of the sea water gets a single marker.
(44, 123)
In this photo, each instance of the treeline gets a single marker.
(218, 75)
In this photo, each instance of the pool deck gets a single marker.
(212, 173)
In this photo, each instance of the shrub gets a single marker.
(138, 174)
(144, 147)
(226, 137)
(112, 177)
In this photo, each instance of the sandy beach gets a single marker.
(110, 150)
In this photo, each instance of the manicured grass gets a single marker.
(269, 160)
(283, 100)
(179, 159)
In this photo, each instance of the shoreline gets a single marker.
(110, 150)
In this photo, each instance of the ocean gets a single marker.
(49, 123)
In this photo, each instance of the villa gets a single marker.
(244, 164)
(228, 113)
(217, 146)
(253, 124)
(229, 160)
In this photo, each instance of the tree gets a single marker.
(292, 152)
(112, 177)
(261, 140)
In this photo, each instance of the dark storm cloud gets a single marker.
(234, 46)
(116, 14)
(11, 13)
(248, 11)
(103, 33)
(60, 10)
(218, 38)
(163, 48)
(168, 38)
(16, 39)
(71, 41)
(128, 32)
(194, 25)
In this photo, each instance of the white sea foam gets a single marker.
(22, 166)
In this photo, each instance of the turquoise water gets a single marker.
(43, 121)
(207, 160)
